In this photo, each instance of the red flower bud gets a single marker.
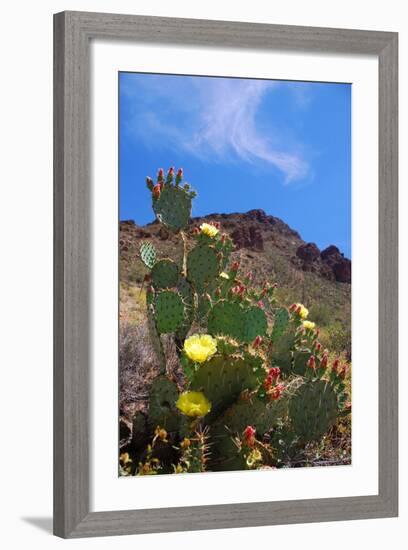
(180, 172)
(335, 365)
(276, 392)
(235, 266)
(157, 190)
(249, 276)
(249, 435)
(260, 304)
(171, 170)
(342, 371)
(196, 231)
(323, 362)
(312, 362)
(257, 342)
(318, 346)
(268, 382)
(293, 307)
(274, 372)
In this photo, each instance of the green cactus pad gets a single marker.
(300, 359)
(169, 311)
(223, 379)
(280, 323)
(186, 293)
(227, 318)
(255, 324)
(261, 414)
(202, 265)
(313, 410)
(155, 338)
(148, 254)
(165, 274)
(162, 405)
(173, 207)
(281, 355)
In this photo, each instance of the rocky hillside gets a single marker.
(271, 250)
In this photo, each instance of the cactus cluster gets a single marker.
(251, 369)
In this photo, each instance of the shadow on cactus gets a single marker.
(258, 389)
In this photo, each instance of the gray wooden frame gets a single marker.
(72, 34)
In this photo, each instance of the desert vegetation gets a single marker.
(223, 367)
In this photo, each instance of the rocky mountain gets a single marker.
(251, 232)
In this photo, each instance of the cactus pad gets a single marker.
(300, 360)
(165, 274)
(261, 414)
(226, 318)
(162, 405)
(222, 379)
(313, 409)
(280, 323)
(169, 311)
(202, 265)
(148, 254)
(155, 338)
(255, 324)
(173, 207)
(282, 352)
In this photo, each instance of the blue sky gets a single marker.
(281, 146)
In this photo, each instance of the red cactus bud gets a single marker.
(171, 170)
(260, 304)
(293, 307)
(347, 406)
(311, 362)
(218, 292)
(157, 190)
(223, 238)
(335, 365)
(318, 346)
(276, 392)
(249, 276)
(274, 372)
(257, 342)
(268, 382)
(149, 183)
(342, 371)
(323, 362)
(235, 266)
(196, 231)
(180, 172)
(249, 435)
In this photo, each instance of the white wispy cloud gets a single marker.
(215, 118)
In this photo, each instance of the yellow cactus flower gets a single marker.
(200, 347)
(308, 325)
(224, 275)
(193, 403)
(209, 230)
(302, 311)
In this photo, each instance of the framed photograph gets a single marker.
(225, 350)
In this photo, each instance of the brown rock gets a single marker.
(248, 237)
(308, 252)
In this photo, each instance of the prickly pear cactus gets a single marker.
(203, 265)
(173, 207)
(222, 379)
(148, 254)
(254, 324)
(162, 409)
(313, 409)
(226, 318)
(280, 323)
(165, 273)
(248, 366)
(168, 311)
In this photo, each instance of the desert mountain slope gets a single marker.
(270, 249)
